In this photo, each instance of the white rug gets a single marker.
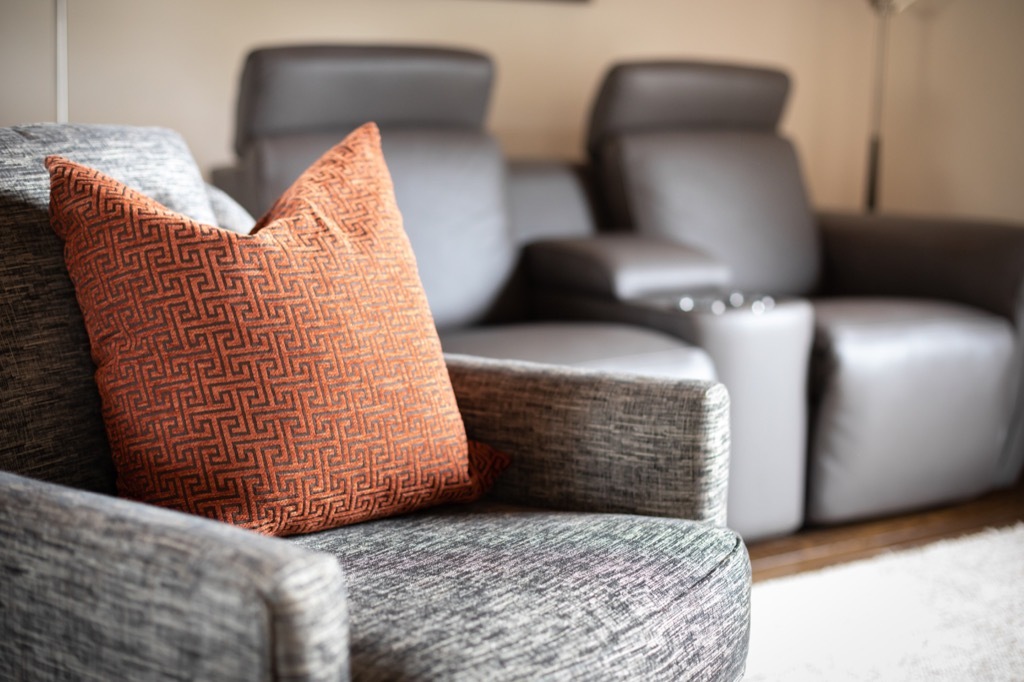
(953, 610)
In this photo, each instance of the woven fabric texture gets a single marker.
(529, 595)
(50, 422)
(285, 381)
(592, 441)
(96, 588)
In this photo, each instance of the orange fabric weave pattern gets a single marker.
(286, 381)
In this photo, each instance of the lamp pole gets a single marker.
(883, 8)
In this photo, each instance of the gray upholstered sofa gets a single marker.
(600, 554)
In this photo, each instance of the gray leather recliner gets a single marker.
(450, 183)
(915, 390)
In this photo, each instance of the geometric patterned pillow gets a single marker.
(286, 381)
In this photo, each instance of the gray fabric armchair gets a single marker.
(564, 573)
(915, 371)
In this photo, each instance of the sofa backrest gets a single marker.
(448, 172)
(689, 151)
(51, 426)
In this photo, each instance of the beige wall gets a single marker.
(176, 63)
(954, 129)
(27, 71)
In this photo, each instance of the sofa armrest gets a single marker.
(593, 441)
(979, 263)
(94, 587)
(623, 266)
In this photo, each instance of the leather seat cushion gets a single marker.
(611, 347)
(912, 399)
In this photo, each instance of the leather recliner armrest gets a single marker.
(623, 266)
(979, 263)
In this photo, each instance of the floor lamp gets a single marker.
(884, 9)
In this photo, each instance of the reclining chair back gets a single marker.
(430, 104)
(689, 151)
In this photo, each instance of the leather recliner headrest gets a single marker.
(311, 88)
(672, 95)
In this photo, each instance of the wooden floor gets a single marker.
(816, 548)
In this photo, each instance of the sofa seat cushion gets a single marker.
(886, 373)
(499, 593)
(593, 345)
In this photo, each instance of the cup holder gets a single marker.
(719, 304)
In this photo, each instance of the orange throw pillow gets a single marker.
(286, 381)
